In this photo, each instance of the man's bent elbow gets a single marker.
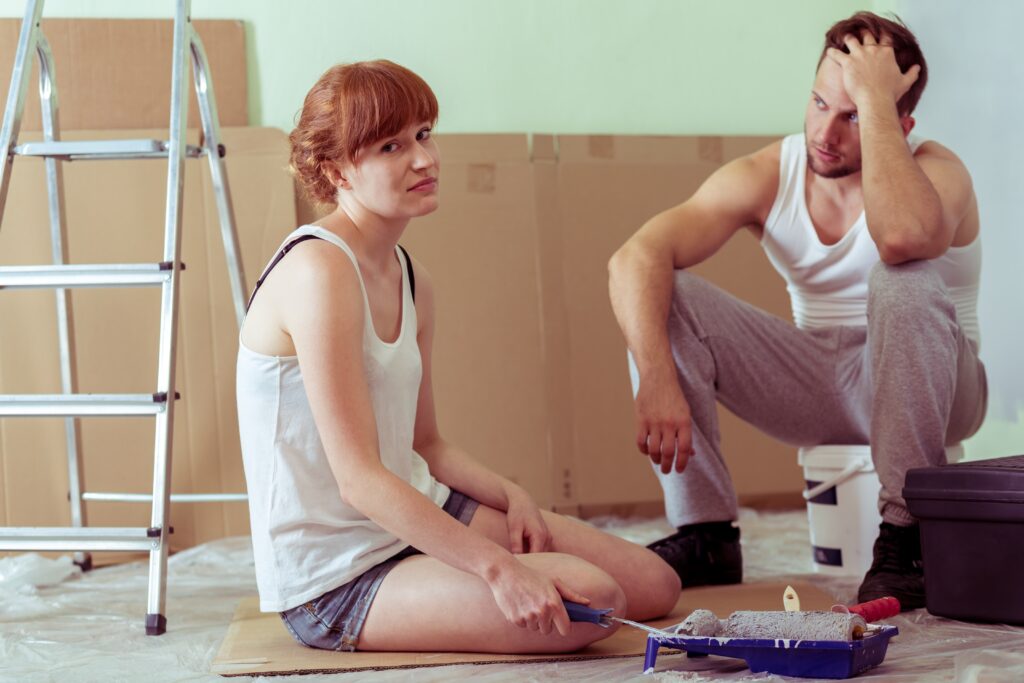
(900, 249)
(892, 254)
(633, 256)
(618, 264)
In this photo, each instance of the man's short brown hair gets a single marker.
(904, 43)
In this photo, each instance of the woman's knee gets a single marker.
(589, 580)
(651, 586)
(667, 585)
(655, 588)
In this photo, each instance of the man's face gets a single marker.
(830, 125)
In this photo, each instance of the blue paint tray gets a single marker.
(803, 658)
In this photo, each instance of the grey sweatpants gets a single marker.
(909, 383)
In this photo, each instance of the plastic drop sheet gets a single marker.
(57, 624)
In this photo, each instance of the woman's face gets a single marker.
(396, 177)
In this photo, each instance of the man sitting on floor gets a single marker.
(876, 234)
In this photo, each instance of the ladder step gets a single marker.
(81, 405)
(175, 497)
(78, 538)
(60, 276)
(75, 150)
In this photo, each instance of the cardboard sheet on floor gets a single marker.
(257, 643)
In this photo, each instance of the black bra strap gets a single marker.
(288, 247)
(412, 276)
(280, 255)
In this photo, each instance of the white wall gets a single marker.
(974, 104)
(651, 67)
(666, 67)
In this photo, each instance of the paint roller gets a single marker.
(744, 624)
(847, 625)
(775, 625)
(841, 623)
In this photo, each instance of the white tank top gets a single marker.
(306, 540)
(828, 284)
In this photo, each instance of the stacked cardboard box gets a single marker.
(530, 373)
(116, 73)
(115, 215)
(531, 367)
(113, 76)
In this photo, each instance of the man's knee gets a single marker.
(691, 294)
(907, 289)
(686, 285)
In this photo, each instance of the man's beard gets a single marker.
(837, 172)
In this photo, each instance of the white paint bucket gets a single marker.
(842, 505)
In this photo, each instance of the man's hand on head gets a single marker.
(870, 70)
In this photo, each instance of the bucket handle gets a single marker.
(850, 471)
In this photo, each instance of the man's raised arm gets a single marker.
(641, 282)
(913, 205)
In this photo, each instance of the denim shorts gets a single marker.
(335, 619)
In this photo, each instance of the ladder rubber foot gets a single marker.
(86, 564)
(156, 624)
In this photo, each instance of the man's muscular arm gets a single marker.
(641, 281)
(913, 204)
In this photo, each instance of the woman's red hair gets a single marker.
(349, 108)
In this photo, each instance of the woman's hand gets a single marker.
(527, 531)
(531, 600)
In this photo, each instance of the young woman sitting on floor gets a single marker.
(370, 531)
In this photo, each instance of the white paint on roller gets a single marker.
(701, 622)
(786, 628)
(794, 625)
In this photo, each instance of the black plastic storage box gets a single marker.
(972, 537)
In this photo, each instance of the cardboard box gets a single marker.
(491, 357)
(116, 73)
(608, 186)
(115, 214)
(530, 371)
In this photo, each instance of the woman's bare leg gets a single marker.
(651, 586)
(424, 605)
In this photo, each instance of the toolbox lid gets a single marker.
(996, 480)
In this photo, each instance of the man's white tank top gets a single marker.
(828, 284)
(306, 540)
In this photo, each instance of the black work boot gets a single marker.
(703, 554)
(897, 568)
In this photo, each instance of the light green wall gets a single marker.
(563, 66)
(568, 66)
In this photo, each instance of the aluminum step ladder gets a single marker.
(62, 276)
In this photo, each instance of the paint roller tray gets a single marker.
(803, 658)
